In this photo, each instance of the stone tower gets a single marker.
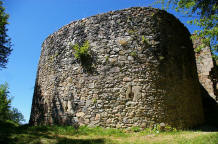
(139, 71)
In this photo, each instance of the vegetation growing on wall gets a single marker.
(82, 52)
(85, 56)
(133, 54)
(144, 40)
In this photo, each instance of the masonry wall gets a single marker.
(141, 71)
(207, 70)
(208, 77)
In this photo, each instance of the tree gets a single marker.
(5, 102)
(6, 112)
(16, 116)
(205, 14)
(5, 41)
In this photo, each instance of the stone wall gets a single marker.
(141, 71)
(207, 70)
(208, 78)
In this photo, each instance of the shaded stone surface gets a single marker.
(142, 72)
(208, 77)
(207, 70)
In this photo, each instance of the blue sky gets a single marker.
(31, 21)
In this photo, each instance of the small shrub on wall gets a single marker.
(81, 52)
(85, 56)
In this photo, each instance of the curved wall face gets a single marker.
(140, 71)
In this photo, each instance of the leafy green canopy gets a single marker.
(6, 112)
(5, 102)
(205, 14)
(5, 42)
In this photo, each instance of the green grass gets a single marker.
(97, 135)
(201, 139)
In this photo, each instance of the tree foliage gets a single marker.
(6, 111)
(5, 102)
(16, 116)
(5, 41)
(205, 15)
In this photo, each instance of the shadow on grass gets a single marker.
(80, 141)
(11, 134)
(7, 128)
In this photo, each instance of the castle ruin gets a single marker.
(140, 70)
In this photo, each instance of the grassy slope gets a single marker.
(85, 135)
